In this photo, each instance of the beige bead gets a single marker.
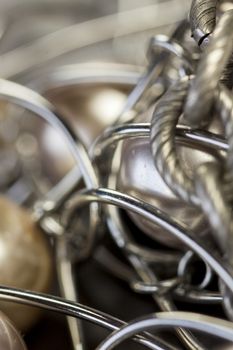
(89, 109)
(10, 338)
(24, 260)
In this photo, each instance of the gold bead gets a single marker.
(25, 260)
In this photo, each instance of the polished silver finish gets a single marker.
(35, 103)
(207, 324)
(164, 121)
(152, 213)
(165, 117)
(138, 176)
(202, 19)
(174, 182)
(200, 99)
(158, 63)
(70, 308)
(122, 238)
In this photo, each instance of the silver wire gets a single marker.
(164, 120)
(165, 117)
(121, 236)
(156, 216)
(164, 320)
(66, 307)
(157, 63)
(183, 266)
(33, 102)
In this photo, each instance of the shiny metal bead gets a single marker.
(90, 98)
(10, 338)
(90, 109)
(25, 260)
(139, 177)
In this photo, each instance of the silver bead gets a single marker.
(139, 177)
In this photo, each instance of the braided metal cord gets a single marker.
(163, 126)
(202, 18)
(202, 22)
(210, 188)
(211, 66)
(209, 191)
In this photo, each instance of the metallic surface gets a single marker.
(200, 99)
(25, 259)
(210, 325)
(202, 18)
(70, 308)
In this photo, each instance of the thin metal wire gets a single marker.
(164, 320)
(164, 120)
(183, 266)
(66, 307)
(156, 216)
(210, 189)
(121, 236)
(33, 102)
(157, 63)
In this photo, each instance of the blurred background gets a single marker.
(41, 34)
(83, 55)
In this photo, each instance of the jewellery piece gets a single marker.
(25, 260)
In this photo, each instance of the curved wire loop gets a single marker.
(33, 102)
(66, 307)
(165, 117)
(183, 134)
(198, 322)
(156, 216)
(121, 236)
(182, 271)
(157, 64)
(209, 189)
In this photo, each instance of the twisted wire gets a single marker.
(208, 189)
(163, 146)
(202, 18)
(163, 124)
(157, 64)
(198, 107)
